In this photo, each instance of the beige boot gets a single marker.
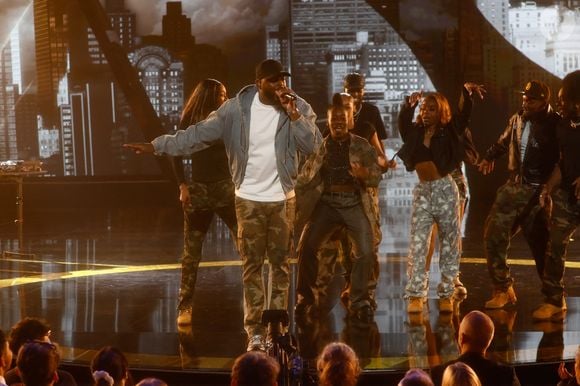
(184, 317)
(446, 305)
(501, 298)
(549, 311)
(415, 305)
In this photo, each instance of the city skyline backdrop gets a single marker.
(60, 101)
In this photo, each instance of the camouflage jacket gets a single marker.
(309, 186)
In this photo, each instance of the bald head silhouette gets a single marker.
(475, 332)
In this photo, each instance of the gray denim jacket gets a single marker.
(231, 124)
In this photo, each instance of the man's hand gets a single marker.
(563, 372)
(486, 167)
(474, 87)
(140, 147)
(184, 195)
(414, 98)
(358, 171)
(288, 101)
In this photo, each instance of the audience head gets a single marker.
(5, 353)
(475, 332)
(152, 382)
(255, 368)
(434, 110)
(338, 365)
(460, 374)
(416, 377)
(28, 329)
(37, 363)
(110, 367)
(571, 95)
(208, 95)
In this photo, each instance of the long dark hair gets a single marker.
(202, 101)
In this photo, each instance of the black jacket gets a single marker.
(542, 150)
(446, 144)
(490, 373)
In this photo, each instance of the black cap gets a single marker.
(354, 80)
(270, 68)
(536, 90)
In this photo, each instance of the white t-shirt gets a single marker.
(261, 181)
(525, 139)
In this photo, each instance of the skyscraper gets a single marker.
(10, 84)
(50, 32)
(176, 27)
(123, 22)
(316, 25)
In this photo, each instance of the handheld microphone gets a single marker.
(289, 95)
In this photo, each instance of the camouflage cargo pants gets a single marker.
(565, 219)
(516, 206)
(434, 201)
(264, 230)
(207, 200)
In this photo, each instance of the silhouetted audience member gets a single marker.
(416, 377)
(5, 357)
(37, 363)
(255, 368)
(152, 382)
(567, 379)
(460, 374)
(33, 329)
(110, 367)
(475, 335)
(338, 365)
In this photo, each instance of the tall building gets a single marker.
(162, 77)
(176, 28)
(318, 24)
(496, 12)
(51, 29)
(278, 44)
(26, 111)
(10, 86)
(563, 51)
(123, 22)
(530, 28)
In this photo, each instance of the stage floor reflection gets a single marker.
(111, 277)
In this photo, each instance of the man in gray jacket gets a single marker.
(265, 122)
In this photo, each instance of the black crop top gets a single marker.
(423, 153)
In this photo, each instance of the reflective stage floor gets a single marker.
(111, 277)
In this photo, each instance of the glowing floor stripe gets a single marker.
(17, 281)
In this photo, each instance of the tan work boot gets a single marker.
(415, 305)
(501, 298)
(184, 317)
(446, 305)
(459, 290)
(549, 311)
